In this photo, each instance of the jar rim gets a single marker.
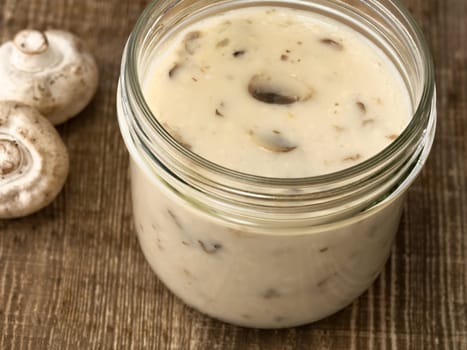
(419, 114)
(246, 198)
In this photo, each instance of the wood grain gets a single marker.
(73, 277)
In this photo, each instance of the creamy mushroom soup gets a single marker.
(278, 93)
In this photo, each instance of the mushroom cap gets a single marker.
(50, 71)
(33, 160)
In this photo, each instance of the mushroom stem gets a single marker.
(31, 51)
(10, 156)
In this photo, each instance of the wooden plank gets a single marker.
(73, 276)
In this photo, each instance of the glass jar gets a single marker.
(269, 252)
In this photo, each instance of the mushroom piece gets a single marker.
(332, 43)
(50, 71)
(272, 142)
(33, 161)
(191, 41)
(278, 89)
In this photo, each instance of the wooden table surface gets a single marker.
(73, 276)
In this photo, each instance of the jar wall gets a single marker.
(254, 279)
(260, 253)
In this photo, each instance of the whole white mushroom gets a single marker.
(50, 71)
(34, 161)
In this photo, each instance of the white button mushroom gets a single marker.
(33, 161)
(50, 71)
